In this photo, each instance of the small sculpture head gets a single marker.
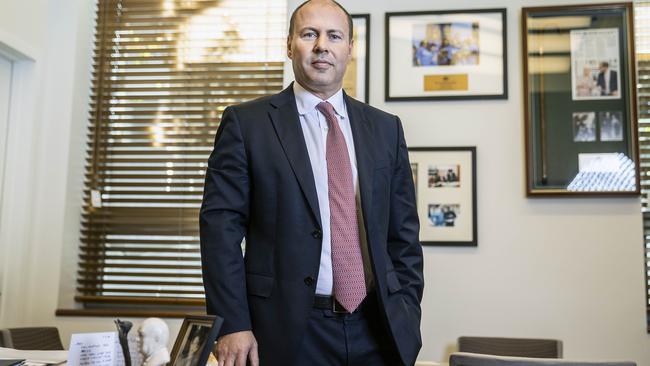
(154, 334)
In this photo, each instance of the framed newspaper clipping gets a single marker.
(580, 100)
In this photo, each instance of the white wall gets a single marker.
(25, 20)
(562, 268)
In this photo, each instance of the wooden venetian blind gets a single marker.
(642, 31)
(164, 70)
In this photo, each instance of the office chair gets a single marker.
(520, 347)
(32, 338)
(474, 359)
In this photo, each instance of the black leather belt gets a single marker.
(330, 303)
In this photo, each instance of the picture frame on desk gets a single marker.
(446, 55)
(580, 100)
(196, 340)
(445, 185)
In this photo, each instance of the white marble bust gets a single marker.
(154, 334)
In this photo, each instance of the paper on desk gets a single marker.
(428, 363)
(94, 349)
(34, 357)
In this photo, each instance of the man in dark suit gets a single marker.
(320, 186)
(607, 80)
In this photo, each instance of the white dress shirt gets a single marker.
(606, 76)
(314, 129)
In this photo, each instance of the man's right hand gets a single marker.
(233, 349)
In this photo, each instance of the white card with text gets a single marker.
(95, 349)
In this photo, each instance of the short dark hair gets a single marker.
(293, 17)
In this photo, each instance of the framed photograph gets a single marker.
(446, 55)
(355, 80)
(580, 100)
(445, 185)
(195, 342)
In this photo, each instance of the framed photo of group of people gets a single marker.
(445, 188)
(580, 100)
(443, 55)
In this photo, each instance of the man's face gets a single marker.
(320, 48)
(148, 343)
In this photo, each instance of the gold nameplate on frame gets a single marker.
(446, 82)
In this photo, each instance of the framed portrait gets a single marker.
(446, 55)
(580, 100)
(445, 188)
(195, 342)
(355, 80)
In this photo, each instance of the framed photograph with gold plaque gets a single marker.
(355, 80)
(580, 100)
(446, 55)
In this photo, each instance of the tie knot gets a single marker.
(326, 109)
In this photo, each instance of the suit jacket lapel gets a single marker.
(363, 147)
(286, 122)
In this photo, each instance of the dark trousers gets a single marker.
(359, 338)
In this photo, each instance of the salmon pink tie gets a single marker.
(347, 264)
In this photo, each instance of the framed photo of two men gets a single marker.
(580, 100)
(443, 55)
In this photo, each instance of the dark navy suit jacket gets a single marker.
(259, 185)
(613, 82)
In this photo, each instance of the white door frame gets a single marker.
(6, 73)
(23, 73)
(6, 76)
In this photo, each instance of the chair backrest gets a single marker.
(519, 347)
(473, 359)
(32, 338)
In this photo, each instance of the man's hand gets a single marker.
(233, 349)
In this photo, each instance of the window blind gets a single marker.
(642, 31)
(164, 70)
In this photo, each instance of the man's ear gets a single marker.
(350, 48)
(289, 52)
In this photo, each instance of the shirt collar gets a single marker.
(306, 101)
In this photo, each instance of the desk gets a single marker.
(34, 358)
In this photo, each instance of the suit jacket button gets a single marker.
(317, 234)
(309, 281)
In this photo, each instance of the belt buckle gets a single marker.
(338, 308)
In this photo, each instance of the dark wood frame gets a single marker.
(472, 151)
(631, 103)
(504, 18)
(215, 323)
(366, 85)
